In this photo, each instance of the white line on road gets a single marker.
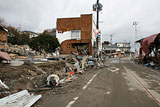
(76, 98)
(90, 81)
(72, 102)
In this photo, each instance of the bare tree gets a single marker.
(2, 22)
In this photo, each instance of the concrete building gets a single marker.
(108, 48)
(76, 33)
(124, 47)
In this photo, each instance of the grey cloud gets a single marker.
(122, 13)
(117, 15)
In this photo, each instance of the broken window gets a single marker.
(76, 34)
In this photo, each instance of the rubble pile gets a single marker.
(43, 76)
(81, 50)
(15, 50)
(149, 52)
(27, 77)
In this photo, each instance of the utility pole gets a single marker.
(97, 27)
(111, 38)
(135, 25)
(97, 14)
(97, 7)
(19, 27)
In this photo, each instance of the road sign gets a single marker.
(96, 31)
(96, 35)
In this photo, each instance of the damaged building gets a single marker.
(3, 35)
(77, 34)
(150, 49)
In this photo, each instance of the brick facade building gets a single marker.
(3, 34)
(72, 32)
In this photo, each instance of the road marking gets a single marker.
(108, 92)
(76, 98)
(90, 81)
(113, 69)
(72, 102)
(144, 88)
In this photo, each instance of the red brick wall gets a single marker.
(83, 23)
(3, 36)
(67, 24)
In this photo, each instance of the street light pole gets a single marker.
(135, 24)
(97, 26)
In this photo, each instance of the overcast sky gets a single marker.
(117, 16)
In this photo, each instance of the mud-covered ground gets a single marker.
(29, 76)
(120, 84)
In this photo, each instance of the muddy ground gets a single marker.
(29, 77)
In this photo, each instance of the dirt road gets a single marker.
(120, 84)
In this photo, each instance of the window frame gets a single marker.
(76, 37)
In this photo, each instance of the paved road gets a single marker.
(120, 84)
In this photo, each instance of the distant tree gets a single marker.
(2, 22)
(16, 37)
(24, 38)
(13, 35)
(50, 31)
(44, 42)
(45, 32)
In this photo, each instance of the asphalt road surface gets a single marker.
(120, 84)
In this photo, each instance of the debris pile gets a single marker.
(149, 52)
(43, 76)
(81, 50)
(30, 77)
(15, 50)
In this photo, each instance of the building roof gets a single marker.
(4, 29)
(151, 38)
(110, 46)
(147, 42)
(123, 43)
(29, 32)
(75, 17)
(139, 41)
